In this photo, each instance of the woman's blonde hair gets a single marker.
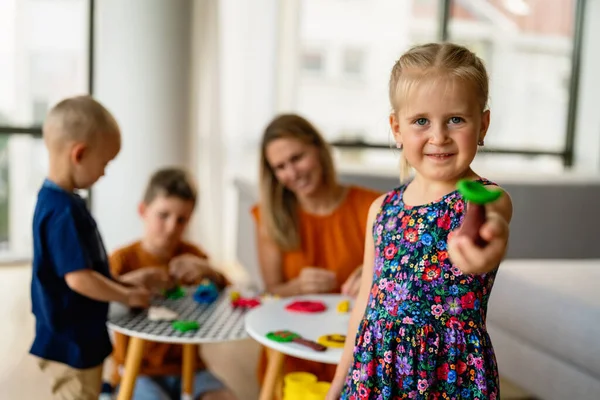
(435, 60)
(278, 205)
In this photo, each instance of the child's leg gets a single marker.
(148, 388)
(69, 383)
(223, 394)
(206, 387)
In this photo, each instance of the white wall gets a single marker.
(142, 74)
(234, 47)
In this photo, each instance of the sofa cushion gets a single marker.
(554, 305)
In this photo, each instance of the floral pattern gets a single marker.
(423, 335)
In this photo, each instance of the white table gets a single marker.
(219, 322)
(272, 316)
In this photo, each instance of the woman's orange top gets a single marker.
(334, 242)
(159, 358)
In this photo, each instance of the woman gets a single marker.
(310, 228)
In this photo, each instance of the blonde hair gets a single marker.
(80, 118)
(278, 205)
(435, 60)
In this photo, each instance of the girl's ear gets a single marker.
(485, 124)
(395, 126)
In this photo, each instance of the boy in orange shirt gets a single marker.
(160, 258)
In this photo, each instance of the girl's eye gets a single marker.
(421, 121)
(456, 120)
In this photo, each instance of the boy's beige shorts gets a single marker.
(68, 383)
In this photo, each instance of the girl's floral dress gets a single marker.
(423, 335)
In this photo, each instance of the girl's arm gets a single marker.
(360, 304)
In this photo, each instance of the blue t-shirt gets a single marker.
(70, 328)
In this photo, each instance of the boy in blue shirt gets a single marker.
(71, 283)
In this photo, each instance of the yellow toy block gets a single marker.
(343, 306)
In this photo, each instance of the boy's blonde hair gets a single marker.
(278, 205)
(435, 61)
(80, 118)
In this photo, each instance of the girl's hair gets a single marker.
(278, 205)
(436, 60)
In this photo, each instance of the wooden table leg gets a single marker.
(189, 370)
(275, 360)
(135, 351)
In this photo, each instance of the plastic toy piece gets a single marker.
(477, 196)
(161, 314)
(185, 326)
(336, 340)
(306, 306)
(343, 306)
(233, 296)
(175, 293)
(206, 293)
(317, 390)
(288, 336)
(282, 336)
(246, 303)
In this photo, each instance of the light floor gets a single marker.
(19, 378)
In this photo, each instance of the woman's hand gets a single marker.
(314, 280)
(352, 284)
(472, 259)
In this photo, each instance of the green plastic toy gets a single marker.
(185, 326)
(174, 294)
(286, 336)
(477, 195)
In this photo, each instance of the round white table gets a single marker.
(272, 316)
(219, 322)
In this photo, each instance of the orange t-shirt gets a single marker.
(159, 358)
(335, 242)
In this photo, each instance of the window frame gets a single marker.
(36, 130)
(568, 152)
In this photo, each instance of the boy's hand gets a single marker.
(188, 269)
(472, 259)
(155, 279)
(138, 297)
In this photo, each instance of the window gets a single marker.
(527, 47)
(313, 62)
(353, 62)
(362, 39)
(44, 55)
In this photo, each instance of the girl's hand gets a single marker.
(352, 284)
(472, 259)
(314, 280)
